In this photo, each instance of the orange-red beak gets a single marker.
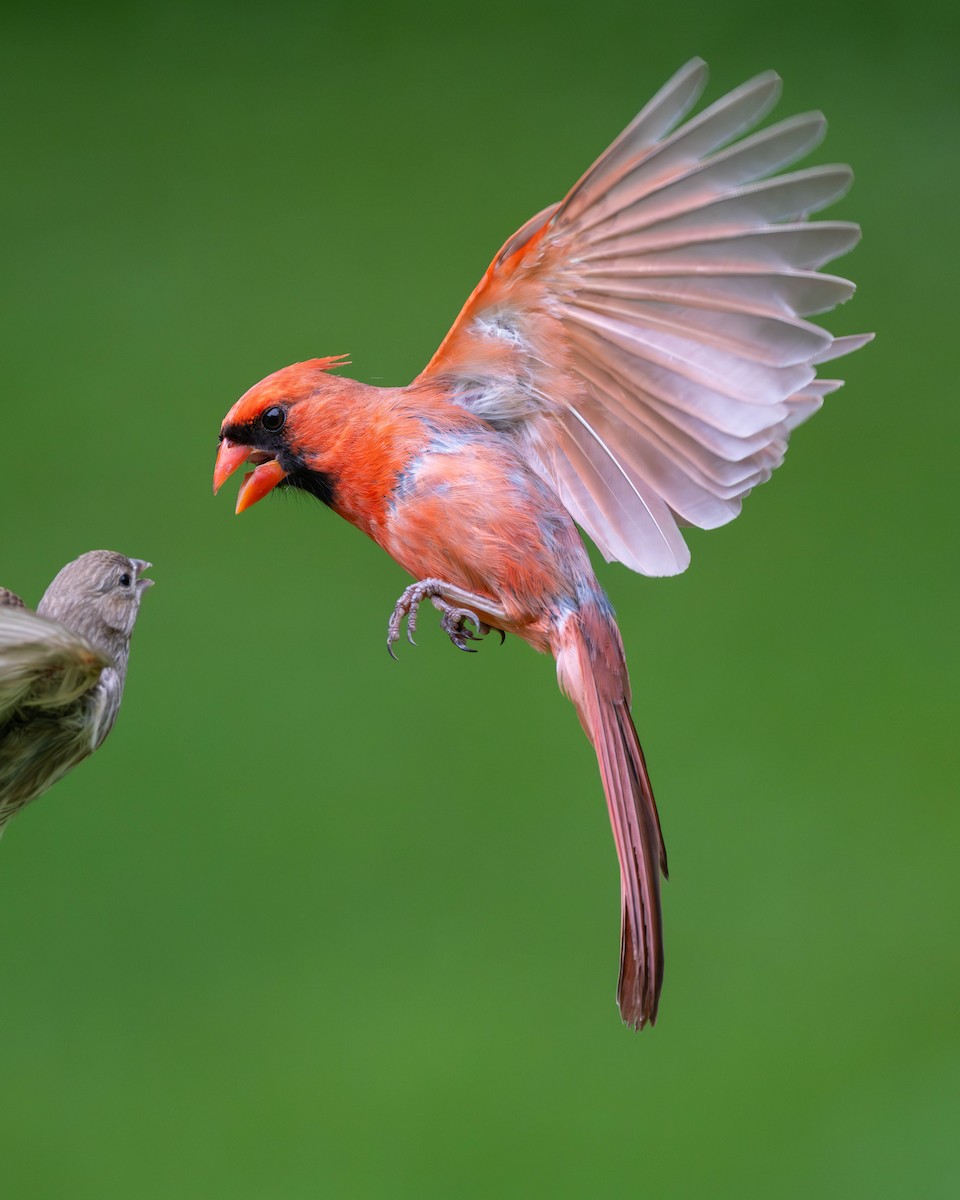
(256, 483)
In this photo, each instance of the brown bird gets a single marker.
(633, 361)
(62, 671)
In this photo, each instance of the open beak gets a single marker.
(256, 483)
(142, 565)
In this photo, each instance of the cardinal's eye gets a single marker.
(273, 419)
(125, 579)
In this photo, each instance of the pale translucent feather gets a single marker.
(760, 293)
(682, 181)
(792, 245)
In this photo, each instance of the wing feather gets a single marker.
(759, 293)
(630, 505)
(645, 340)
(789, 246)
(42, 663)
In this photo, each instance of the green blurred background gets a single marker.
(315, 923)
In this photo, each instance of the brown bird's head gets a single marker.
(275, 426)
(98, 595)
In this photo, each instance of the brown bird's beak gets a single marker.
(142, 565)
(256, 483)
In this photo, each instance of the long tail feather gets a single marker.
(593, 674)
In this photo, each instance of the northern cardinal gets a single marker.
(634, 359)
(62, 670)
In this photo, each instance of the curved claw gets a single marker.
(455, 625)
(407, 606)
(457, 637)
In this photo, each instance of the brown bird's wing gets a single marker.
(645, 340)
(42, 664)
(10, 599)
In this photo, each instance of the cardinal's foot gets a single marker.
(453, 622)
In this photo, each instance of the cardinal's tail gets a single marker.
(592, 672)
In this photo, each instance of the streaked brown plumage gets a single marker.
(62, 671)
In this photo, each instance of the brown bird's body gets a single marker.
(633, 360)
(62, 671)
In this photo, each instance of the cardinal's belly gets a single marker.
(478, 518)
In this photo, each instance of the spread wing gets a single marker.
(42, 663)
(645, 340)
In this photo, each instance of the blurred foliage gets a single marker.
(318, 923)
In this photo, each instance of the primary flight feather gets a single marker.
(632, 361)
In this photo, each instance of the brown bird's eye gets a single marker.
(273, 419)
(125, 579)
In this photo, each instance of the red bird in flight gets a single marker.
(633, 360)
